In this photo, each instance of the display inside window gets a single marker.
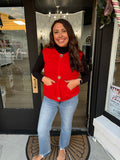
(113, 95)
(15, 79)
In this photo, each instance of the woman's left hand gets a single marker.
(73, 83)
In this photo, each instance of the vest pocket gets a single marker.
(50, 90)
(66, 92)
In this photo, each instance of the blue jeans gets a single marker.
(48, 112)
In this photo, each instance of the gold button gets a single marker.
(61, 55)
(59, 77)
(58, 98)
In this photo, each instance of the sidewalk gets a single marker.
(13, 147)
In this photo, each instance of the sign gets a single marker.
(114, 101)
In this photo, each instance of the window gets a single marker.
(113, 90)
(15, 80)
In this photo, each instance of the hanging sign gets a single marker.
(114, 101)
(117, 10)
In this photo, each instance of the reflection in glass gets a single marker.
(113, 92)
(116, 81)
(15, 80)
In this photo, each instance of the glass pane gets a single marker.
(113, 98)
(83, 33)
(116, 80)
(114, 104)
(15, 79)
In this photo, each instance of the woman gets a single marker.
(62, 62)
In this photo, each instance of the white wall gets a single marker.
(77, 20)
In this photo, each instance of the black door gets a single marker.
(20, 97)
(20, 93)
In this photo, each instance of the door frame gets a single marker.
(102, 53)
(26, 119)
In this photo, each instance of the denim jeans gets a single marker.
(48, 112)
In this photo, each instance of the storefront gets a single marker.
(107, 124)
(23, 34)
(105, 101)
(21, 46)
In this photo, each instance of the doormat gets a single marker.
(78, 149)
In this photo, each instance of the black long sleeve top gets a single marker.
(39, 65)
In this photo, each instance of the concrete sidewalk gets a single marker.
(13, 147)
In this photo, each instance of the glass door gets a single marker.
(83, 33)
(17, 107)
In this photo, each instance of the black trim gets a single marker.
(94, 88)
(112, 118)
(53, 132)
(24, 120)
(31, 30)
(10, 3)
(103, 43)
(74, 132)
(14, 131)
(1, 102)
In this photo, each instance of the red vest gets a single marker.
(57, 67)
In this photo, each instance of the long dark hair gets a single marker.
(73, 48)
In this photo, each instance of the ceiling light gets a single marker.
(19, 22)
(49, 15)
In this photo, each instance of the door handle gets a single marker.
(34, 84)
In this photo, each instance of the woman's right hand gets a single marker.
(47, 81)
